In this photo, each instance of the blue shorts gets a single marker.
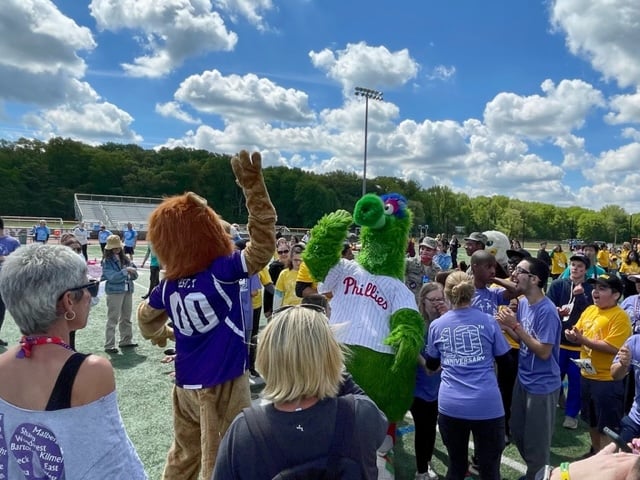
(128, 250)
(602, 403)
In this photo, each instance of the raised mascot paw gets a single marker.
(340, 219)
(247, 169)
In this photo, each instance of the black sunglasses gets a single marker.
(310, 306)
(93, 287)
(283, 252)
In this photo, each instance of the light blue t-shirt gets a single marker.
(130, 237)
(542, 322)
(467, 341)
(248, 285)
(103, 235)
(633, 343)
(42, 233)
(488, 299)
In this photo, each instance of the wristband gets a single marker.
(564, 471)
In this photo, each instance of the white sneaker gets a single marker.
(430, 474)
(570, 423)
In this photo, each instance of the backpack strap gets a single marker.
(258, 425)
(342, 443)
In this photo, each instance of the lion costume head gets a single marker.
(187, 235)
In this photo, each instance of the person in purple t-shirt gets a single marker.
(466, 342)
(535, 394)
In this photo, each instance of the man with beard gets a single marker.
(422, 269)
(537, 327)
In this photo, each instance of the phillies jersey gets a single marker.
(207, 322)
(364, 302)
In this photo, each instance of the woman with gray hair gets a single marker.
(59, 411)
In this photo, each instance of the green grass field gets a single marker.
(144, 393)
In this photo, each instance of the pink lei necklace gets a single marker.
(28, 342)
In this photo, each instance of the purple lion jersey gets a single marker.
(207, 321)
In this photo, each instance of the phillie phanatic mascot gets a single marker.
(382, 326)
(200, 294)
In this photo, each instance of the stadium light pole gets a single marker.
(367, 93)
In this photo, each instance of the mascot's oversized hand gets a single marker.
(325, 246)
(247, 169)
(406, 337)
(153, 325)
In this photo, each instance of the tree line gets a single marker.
(40, 179)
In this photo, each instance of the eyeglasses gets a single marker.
(435, 299)
(92, 287)
(283, 252)
(310, 306)
(520, 270)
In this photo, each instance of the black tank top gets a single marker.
(61, 395)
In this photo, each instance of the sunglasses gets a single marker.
(92, 287)
(283, 252)
(310, 306)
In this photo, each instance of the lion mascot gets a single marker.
(377, 313)
(200, 295)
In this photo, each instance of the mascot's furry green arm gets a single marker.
(388, 378)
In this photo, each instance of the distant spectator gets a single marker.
(8, 245)
(82, 235)
(544, 255)
(422, 269)
(454, 245)
(119, 274)
(558, 261)
(41, 232)
(103, 235)
(285, 293)
(631, 266)
(130, 240)
(154, 269)
(442, 258)
(591, 251)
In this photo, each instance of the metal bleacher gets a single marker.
(114, 211)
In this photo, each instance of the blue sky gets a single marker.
(532, 100)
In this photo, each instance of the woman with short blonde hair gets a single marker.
(284, 358)
(302, 364)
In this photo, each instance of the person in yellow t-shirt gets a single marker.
(558, 261)
(285, 293)
(601, 330)
(603, 258)
(256, 303)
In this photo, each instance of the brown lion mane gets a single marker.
(187, 235)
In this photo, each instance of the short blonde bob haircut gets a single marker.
(459, 289)
(299, 357)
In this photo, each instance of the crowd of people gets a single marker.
(498, 342)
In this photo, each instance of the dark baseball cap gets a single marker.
(611, 281)
(581, 257)
(477, 237)
(518, 254)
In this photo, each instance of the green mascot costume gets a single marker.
(381, 323)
